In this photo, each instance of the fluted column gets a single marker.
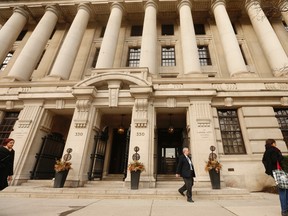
(32, 51)
(110, 39)
(271, 45)
(284, 10)
(233, 56)
(11, 29)
(148, 55)
(69, 49)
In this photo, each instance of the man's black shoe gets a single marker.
(190, 200)
(181, 193)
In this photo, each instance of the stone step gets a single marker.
(105, 184)
(118, 193)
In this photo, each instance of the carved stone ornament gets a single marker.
(228, 102)
(141, 107)
(284, 101)
(82, 109)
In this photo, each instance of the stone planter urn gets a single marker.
(60, 178)
(214, 178)
(135, 178)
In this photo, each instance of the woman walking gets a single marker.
(271, 157)
(6, 162)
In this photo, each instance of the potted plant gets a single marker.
(62, 168)
(213, 166)
(135, 169)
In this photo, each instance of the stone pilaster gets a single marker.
(201, 134)
(269, 41)
(141, 134)
(11, 29)
(33, 49)
(148, 55)
(79, 133)
(190, 54)
(66, 57)
(110, 39)
(233, 55)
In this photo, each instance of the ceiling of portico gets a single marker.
(134, 10)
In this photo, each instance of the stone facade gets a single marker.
(70, 73)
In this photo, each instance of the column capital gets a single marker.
(183, 3)
(151, 3)
(249, 3)
(86, 7)
(117, 5)
(22, 11)
(283, 6)
(54, 9)
(215, 3)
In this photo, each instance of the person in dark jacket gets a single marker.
(185, 169)
(6, 162)
(271, 156)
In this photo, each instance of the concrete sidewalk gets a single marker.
(264, 204)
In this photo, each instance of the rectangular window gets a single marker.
(133, 57)
(21, 35)
(6, 61)
(199, 29)
(167, 30)
(7, 124)
(282, 118)
(285, 25)
(231, 132)
(204, 55)
(136, 31)
(243, 54)
(95, 57)
(168, 56)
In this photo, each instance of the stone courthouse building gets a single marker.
(104, 77)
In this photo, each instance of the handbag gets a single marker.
(280, 177)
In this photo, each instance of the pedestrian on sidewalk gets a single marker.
(6, 162)
(185, 169)
(271, 156)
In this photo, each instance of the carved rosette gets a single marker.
(141, 108)
(82, 107)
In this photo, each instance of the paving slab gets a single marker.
(264, 204)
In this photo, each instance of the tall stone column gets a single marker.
(284, 10)
(271, 45)
(190, 54)
(148, 55)
(110, 39)
(65, 59)
(11, 29)
(33, 49)
(234, 59)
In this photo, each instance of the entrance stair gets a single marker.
(112, 189)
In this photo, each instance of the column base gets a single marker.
(8, 79)
(51, 78)
(194, 75)
(244, 74)
(281, 72)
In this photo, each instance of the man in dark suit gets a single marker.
(185, 169)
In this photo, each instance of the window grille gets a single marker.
(6, 61)
(204, 55)
(231, 132)
(168, 56)
(7, 124)
(133, 57)
(282, 118)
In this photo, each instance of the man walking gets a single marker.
(185, 169)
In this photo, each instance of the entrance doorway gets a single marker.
(170, 138)
(169, 149)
